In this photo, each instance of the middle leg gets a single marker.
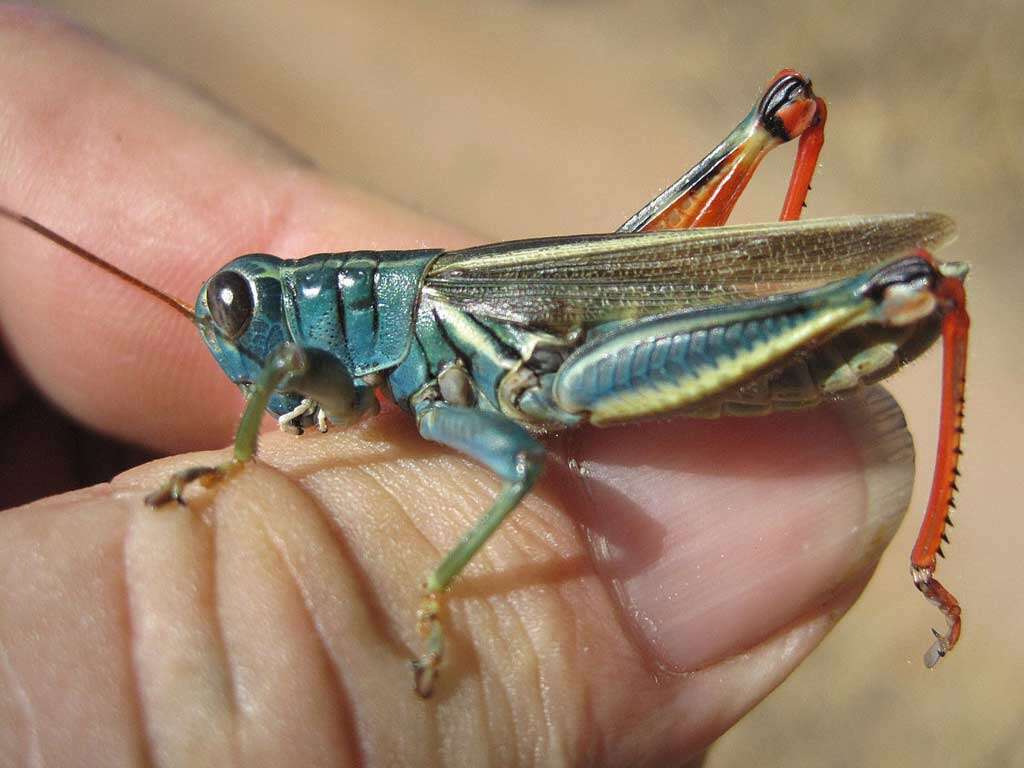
(513, 455)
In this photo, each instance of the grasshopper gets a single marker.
(490, 347)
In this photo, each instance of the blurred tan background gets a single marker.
(530, 118)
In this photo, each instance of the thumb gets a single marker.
(732, 547)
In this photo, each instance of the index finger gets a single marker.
(168, 187)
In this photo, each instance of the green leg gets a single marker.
(517, 458)
(311, 372)
(285, 361)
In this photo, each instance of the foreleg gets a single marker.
(313, 373)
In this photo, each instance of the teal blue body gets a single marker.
(531, 332)
(490, 346)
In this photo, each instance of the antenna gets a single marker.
(176, 304)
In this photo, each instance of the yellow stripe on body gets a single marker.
(657, 398)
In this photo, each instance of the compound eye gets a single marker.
(230, 301)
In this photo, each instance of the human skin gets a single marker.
(627, 614)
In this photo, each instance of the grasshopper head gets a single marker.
(239, 315)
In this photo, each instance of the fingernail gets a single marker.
(713, 535)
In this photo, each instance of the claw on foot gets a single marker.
(937, 650)
(426, 668)
(940, 597)
(174, 488)
(425, 672)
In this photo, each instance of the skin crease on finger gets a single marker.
(271, 621)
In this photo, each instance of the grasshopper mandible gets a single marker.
(490, 347)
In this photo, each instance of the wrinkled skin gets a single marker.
(271, 622)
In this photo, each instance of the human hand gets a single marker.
(628, 616)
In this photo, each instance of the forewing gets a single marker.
(562, 283)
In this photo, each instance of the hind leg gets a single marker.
(705, 195)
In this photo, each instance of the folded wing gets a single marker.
(559, 284)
